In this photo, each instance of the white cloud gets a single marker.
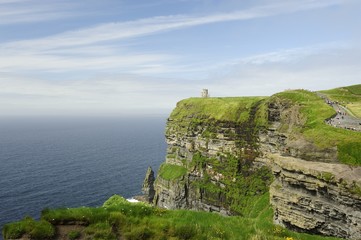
(25, 11)
(129, 29)
(320, 68)
(313, 68)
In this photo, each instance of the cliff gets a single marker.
(212, 143)
(317, 197)
(222, 153)
(313, 191)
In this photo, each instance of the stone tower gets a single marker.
(204, 93)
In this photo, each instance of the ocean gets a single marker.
(71, 162)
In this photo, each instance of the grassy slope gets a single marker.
(350, 96)
(323, 135)
(171, 172)
(140, 221)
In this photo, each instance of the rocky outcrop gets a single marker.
(200, 188)
(316, 197)
(280, 136)
(148, 185)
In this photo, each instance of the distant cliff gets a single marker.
(224, 153)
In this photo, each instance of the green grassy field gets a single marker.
(226, 109)
(118, 218)
(350, 97)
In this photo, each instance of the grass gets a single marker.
(171, 172)
(349, 96)
(74, 235)
(316, 131)
(355, 108)
(28, 226)
(350, 153)
(225, 109)
(158, 223)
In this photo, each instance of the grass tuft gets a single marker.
(171, 172)
(28, 226)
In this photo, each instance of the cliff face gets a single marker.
(311, 193)
(317, 197)
(220, 163)
(208, 163)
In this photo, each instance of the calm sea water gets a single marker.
(72, 162)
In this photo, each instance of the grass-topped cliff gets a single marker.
(312, 111)
(235, 109)
(211, 145)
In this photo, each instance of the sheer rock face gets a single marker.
(281, 138)
(183, 143)
(310, 193)
(148, 185)
(316, 197)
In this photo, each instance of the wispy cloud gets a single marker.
(25, 11)
(101, 47)
(131, 29)
(313, 68)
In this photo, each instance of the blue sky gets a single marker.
(115, 57)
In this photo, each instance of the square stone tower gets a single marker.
(204, 93)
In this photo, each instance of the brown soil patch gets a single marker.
(62, 231)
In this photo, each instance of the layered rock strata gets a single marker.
(213, 158)
(316, 197)
(310, 193)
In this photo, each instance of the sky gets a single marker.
(123, 57)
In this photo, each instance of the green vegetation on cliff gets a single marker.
(28, 226)
(238, 185)
(235, 109)
(315, 111)
(230, 127)
(119, 219)
(171, 172)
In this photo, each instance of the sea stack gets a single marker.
(148, 185)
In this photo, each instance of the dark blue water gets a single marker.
(72, 162)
